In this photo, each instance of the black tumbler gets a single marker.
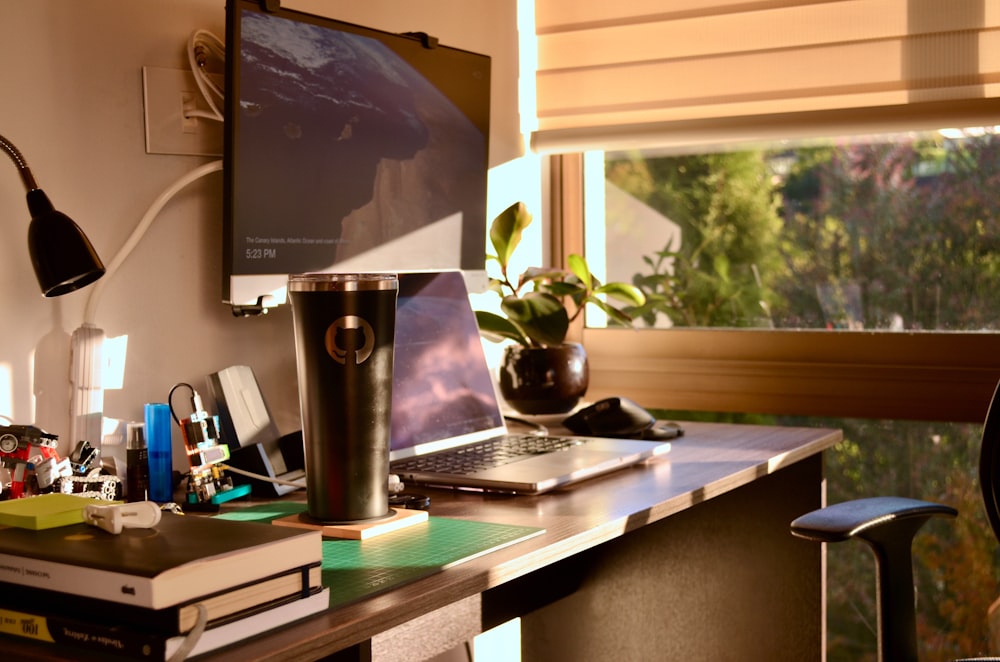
(344, 327)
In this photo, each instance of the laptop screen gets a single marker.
(442, 391)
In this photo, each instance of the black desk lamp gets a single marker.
(63, 257)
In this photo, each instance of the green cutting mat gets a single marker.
(355, 569)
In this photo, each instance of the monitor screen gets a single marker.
(347, 149)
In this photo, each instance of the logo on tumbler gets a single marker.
(350, 338)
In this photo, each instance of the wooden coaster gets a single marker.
(401, 519)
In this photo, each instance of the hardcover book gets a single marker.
(183, 558)
(72, 636)
(178, 619)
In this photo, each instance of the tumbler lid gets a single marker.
(341, 282)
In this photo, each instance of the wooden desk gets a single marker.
(685, 557)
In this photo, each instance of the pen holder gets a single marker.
(160, 452)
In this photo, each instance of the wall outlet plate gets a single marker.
(167, 93)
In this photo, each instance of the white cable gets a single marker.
(207, 114)
(191, 640)
(214, 44)
(140, 230)
(201, 44)
(87, 395)
(207, 86)
(268, 479)
(394, 484)
(87, 392)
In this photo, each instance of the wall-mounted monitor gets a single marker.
(347, 148)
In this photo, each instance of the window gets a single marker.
(782, 358)
(837, 279)
(713, 73)
(836, 323)
(845, 278)
(899, 233)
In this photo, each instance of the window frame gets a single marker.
(937, 376)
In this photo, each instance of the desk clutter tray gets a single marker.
(356, 569)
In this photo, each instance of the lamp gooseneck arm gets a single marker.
(22, 165)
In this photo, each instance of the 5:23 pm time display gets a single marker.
(261, 253)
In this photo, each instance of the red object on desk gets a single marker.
(19, 444)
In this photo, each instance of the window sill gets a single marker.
(915, 376)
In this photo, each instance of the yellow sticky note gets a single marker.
(45, 511)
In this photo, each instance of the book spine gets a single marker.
(88, 582)
(82, 635)
(130, 589)
(71, 636)
(166, 621)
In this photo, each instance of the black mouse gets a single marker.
(619, 417)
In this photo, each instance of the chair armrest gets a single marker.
(887, 525)
(846, 520)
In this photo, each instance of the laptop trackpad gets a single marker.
(575, 462)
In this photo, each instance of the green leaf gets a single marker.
(612, 312)
(497, 328)
(495, 285)
(541, 316)
(623, 291)
(579, 267)
(541, 274)
(534, 301)
(563, 289)
(506, 231)
(721, 265)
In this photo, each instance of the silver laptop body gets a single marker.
(444, 401)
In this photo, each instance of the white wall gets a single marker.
(72, 102)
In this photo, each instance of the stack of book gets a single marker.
(188, 586)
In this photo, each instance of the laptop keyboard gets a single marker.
(485, 455)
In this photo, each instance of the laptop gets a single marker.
(445, 409)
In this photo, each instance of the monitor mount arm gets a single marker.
(427, 40)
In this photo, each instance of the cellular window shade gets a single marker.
(669, 72)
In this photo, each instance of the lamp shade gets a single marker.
(63, 257)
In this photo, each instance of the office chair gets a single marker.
(887, 525)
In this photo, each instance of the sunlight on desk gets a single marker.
(356, 569)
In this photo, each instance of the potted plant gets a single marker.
(540, 372)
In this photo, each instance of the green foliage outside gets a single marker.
(729, 224)
(900, 236)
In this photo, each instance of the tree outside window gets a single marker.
(896, 235)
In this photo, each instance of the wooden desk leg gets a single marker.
(723, 580)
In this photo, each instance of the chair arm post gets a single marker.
(895, 596)
(887, 525)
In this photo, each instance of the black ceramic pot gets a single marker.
(548, 380)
